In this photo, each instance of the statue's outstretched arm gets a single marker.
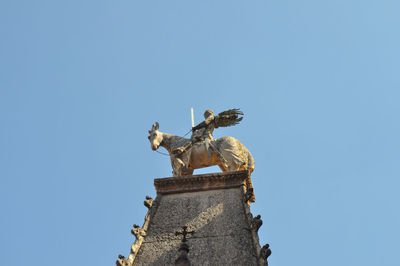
(205, 123)
(201, 125)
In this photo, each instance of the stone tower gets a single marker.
(199, 220)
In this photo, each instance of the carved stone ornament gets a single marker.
(122, 261)
(256, 223)
(148, 202)
(138, 232)
(265, 252)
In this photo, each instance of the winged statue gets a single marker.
(224, 119)
(201, 150)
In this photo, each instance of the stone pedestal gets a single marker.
(213, 206)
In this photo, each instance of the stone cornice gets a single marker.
(202, 182)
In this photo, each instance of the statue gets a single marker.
(203, 131)
(201, 150)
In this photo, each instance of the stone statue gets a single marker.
(202, 150)
(148, 202)
(203, 131)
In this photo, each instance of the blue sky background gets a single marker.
(81, 82)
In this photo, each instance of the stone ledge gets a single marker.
(201, 182)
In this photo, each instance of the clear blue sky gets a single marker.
(81, 82)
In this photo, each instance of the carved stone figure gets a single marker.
(122, 261)
(226, 152)
(138, 232)
(256, 222)
(148, 202)
(265, 252)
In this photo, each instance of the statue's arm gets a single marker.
(205, 123)
(201, 125)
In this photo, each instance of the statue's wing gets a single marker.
(228, 118)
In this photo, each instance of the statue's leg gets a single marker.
(178, 167)
(183, 161)
(174, 166)
(219, 155)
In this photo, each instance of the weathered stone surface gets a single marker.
(219, 217)
(202, 182)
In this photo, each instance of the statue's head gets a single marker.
(155, 137)
(208, 113)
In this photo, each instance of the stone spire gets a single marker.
(215, 207)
